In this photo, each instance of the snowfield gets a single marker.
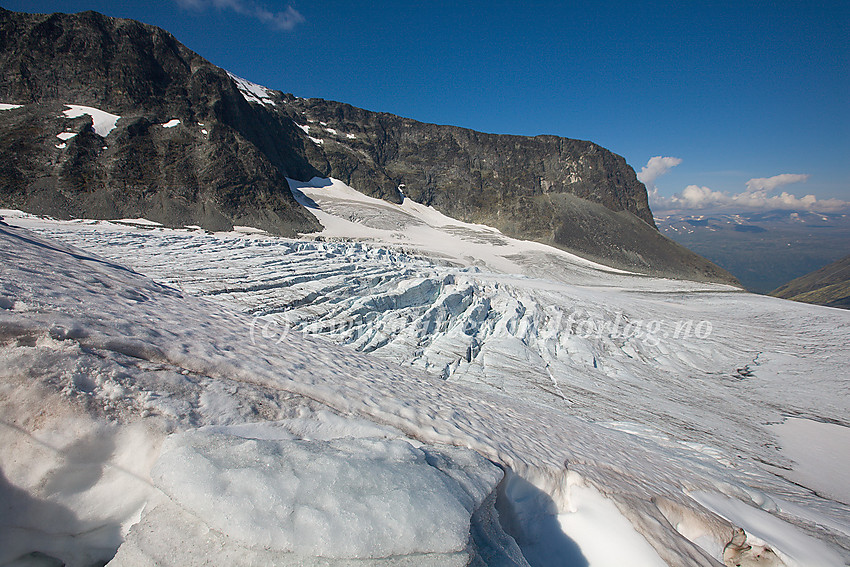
(403, 389)
(102, 122)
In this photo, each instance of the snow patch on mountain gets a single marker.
(102, 122)
(252, 92)
(139, 222)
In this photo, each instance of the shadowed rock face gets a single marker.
(226, 162)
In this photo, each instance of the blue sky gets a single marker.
(746, 99)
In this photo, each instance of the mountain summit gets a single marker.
(119, 119)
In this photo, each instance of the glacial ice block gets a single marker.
(341, 499)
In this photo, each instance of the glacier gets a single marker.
(550, 405)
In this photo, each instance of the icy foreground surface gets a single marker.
(105, 378)
(677, 416)
(285, 501)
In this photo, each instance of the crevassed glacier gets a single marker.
(512, 361)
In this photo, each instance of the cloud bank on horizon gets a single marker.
(285, 20)
(756, 196)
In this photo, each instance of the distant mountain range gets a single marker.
(190, 144)
(763, 249)
(828, 286)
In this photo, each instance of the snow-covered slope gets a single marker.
(348, 214)
(622, 408)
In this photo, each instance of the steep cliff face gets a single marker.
(569, 193)
(226, 161)
(462, 170)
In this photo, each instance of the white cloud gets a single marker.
(768, 184)
(285, 20)
(755, 197)
(655, 168)
(695, 197)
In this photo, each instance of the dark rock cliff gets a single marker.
(235, 173)
(227, 161)
(461, 170)
(569, 193)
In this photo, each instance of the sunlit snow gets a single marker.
(139, 221)
(346, 213)
(252, 92)
(102, 122)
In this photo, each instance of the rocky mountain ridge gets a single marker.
(225, 163)
(828, 286)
